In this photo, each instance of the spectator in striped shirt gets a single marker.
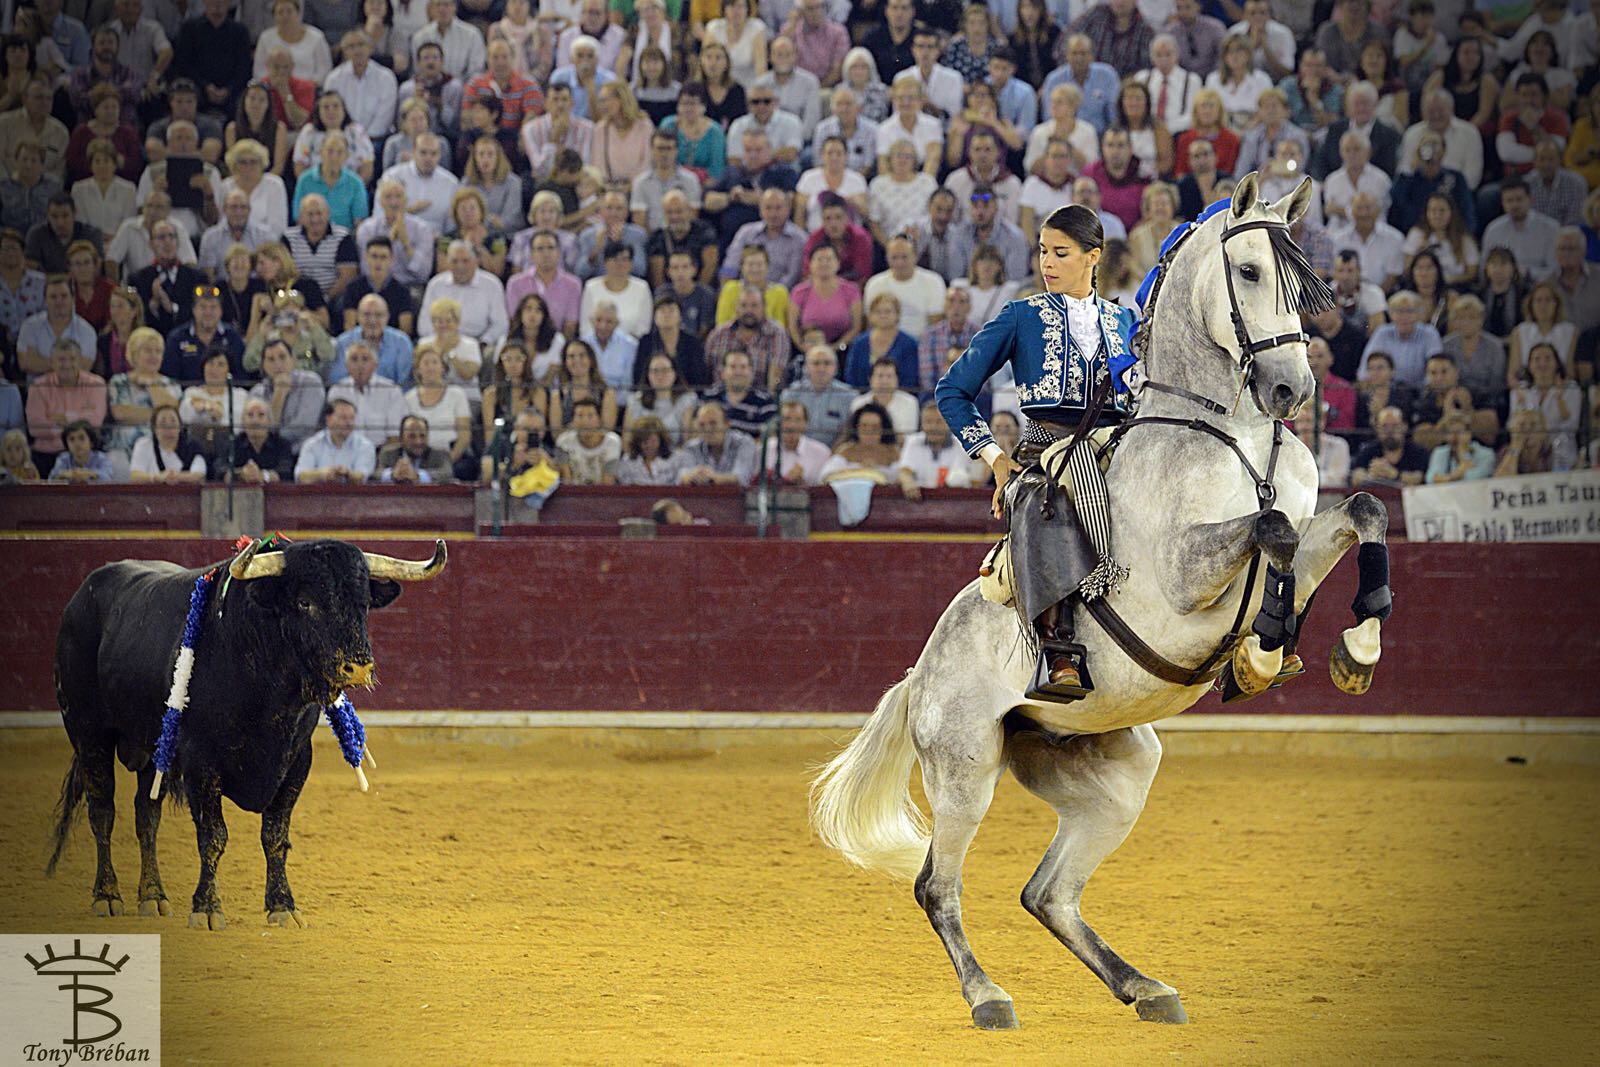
(321, 251)
(519, 96)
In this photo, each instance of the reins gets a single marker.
(1125, 636)
(1294, 272)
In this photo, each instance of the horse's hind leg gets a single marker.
(959, 776)
(1097, 783)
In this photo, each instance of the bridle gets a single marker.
(1248, 349)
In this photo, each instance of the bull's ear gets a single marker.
(384, 593)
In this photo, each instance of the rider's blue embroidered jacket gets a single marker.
(1054, 380)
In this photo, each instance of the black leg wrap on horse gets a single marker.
(1276, 623)
(1373, 599)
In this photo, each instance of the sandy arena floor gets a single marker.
(643, 898)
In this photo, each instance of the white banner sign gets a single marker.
(1530, 507)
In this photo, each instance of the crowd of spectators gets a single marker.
(630, 240)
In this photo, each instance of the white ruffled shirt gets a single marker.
(1083, 321)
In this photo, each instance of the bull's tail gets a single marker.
(66, 811)
(861, 800)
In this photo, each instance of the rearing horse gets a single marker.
(1204, 483)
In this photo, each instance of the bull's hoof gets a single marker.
(289, 920)
(1164, 1008)
(155, 908)
(207, 920)
(106, 907)
(1355, 657)
(995, 1015)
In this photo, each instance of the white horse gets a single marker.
(1189, 517)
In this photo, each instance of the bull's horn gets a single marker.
(249, 565)
(403, 570)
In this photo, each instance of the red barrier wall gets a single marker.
(678, 624)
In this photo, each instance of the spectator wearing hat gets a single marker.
(189, 346)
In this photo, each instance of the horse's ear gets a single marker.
(1293, 206)
(1245, 195)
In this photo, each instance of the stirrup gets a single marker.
(1046, 691)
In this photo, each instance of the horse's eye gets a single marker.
(1249, 273)
(303, 603)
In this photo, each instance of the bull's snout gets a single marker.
(364, 673)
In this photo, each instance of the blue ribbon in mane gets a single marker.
(1173, 238)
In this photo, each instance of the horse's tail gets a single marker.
(861, 800)
(66, 811)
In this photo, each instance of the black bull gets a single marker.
(275, 647)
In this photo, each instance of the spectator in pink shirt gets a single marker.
(820, 43)
(562, 291)
(68, 393)
(1119, 176)
(826, 300)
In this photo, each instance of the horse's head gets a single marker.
(1250, 292)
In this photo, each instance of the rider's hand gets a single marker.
(1004, 467)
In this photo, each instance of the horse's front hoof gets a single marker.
(1254, 670)
(995, 1015)
(1164, 1008)
(154, 908)
(106, 907)
(207, 920)
(1355, 657)
(289, 920)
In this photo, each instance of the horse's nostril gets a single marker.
(1282, 395)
